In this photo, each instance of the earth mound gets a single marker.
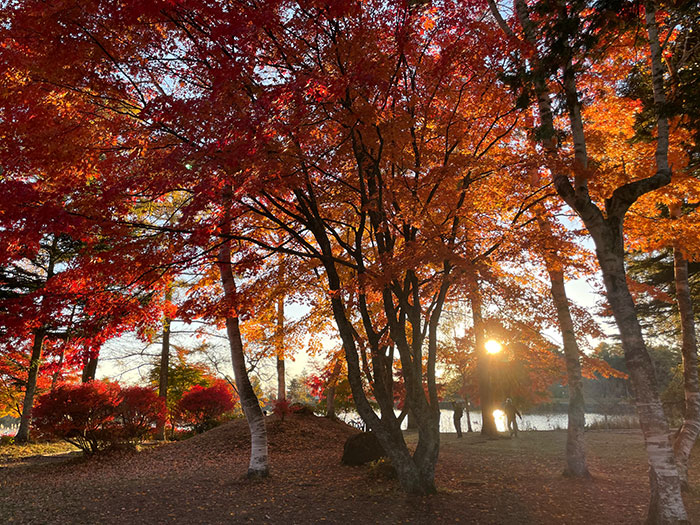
(298, 431)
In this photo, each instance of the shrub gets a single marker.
(82, 414)
(95, 415)
(139, 409)
(281, 407)
(204, 407)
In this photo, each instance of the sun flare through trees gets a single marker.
(401, 193)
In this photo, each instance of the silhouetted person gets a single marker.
(457, 417)
(511, 412)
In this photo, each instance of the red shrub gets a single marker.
(282, 407)
(82, 414)
(139, 409)
(203, 407)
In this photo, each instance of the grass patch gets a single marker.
(615, 423)
(14, 452)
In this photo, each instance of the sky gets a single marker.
(127, 358)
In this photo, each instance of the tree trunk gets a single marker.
(258, 465)
(90, 367)
(406, 332)
(164, 367)
(575, 451)
(666, 503)
(413, 472)
(685, 439)
(330, 390)
(483, 370)
(30, 391)
(281, 382)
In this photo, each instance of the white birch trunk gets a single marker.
(258, 466)
(575, 447)
(688, 434)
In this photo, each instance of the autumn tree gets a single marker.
(558, 252)
(378, 153)
(668, 219)
(557, 40)
(69, 280)
(141, 147)
(357, 130)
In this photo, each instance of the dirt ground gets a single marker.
(200, 481)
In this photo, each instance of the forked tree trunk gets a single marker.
(688, 434)
(483, 370)
(279, 336)
(164, 368)
(416, 473)
(666, 503)
(258, 465)
(405, 317)
(30, 391)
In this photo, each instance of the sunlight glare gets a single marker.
(493, 346)
(500, 417)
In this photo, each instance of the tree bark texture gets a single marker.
(279, 340)
(258, 465)
(164, 368)
(575, 443)
(330, 389)
(90, 368)
(483, 370)
(30, 391)
(666, 504)
(688, 434)
(415, 473)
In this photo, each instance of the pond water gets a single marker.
(550, 421)
(8, 431)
